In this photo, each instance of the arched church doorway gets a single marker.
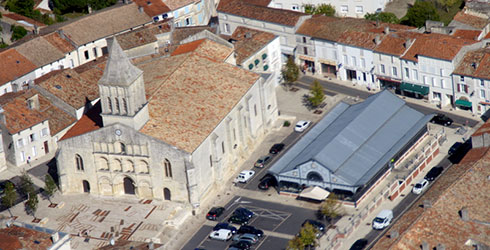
(86, 187)
(166, 194)
(129, 186)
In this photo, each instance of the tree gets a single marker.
(23, 7)
(331, 207)
(17, 32)
(305, 238)
(10, 195)
(31, 204)
(446, 4)
(49, 186)
(26, 184)
(295, 244)
(385, 17)
(317, 94)
(322, 9)
(419, 13)
(290, 72)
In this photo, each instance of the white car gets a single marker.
(301, 126)
(222, 234)
(420, 186)
(244, 176)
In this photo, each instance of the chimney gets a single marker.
(89, 9)
(61, 33)
(377, 39)
(440, 247)
(33, 102)
(474, 65)
(425, 245)
(387, 30)
(427, 204)
(408, 43)
(140, 8)
(55, 237)
(2, 116)
(248, 35)
(463, 213)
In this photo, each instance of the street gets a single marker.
(306, 81)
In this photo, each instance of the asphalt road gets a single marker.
(269, 216)
(330, 87)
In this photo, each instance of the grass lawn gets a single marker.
(73, 15)
(446, 17)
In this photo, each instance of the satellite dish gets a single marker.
(112, 241)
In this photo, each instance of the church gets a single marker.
(169, 127)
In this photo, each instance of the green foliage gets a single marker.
(26, 184)
(322, 9)
(9, 196)
(68, 6)
(446, 4)
(419, 13)
(331, 207)
(317, 94)
(305, 238)
(385, 17)
(295, 244)
(49, 186)
(286, 124)
(32, 203)
(23, 7)
(17, 32)
(3, 45)
(290, 72)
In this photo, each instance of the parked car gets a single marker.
(302, 126)
(214, 213)
(360, 244)
(267, 182)
(383, 219)
(224, 225)
(244, 211)
(316, 224)
(420, 186)
(252, 238)
(454, 148)
(433, 173)
(240, 245)
(239, 219)
(442, 119)
(222, 234)
(250, 230)
(244, 176)
(260, 163)
(276, 148)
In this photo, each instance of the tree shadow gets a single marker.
(307, 103)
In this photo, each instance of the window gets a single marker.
(346, 59)
(407, 73)
(227, 28)
(266, 67)
(79, 162)
(255, 109)
(359, 9)
(382, 68)
(125, 105)
(295, 7)
(22, 156)
(482, 83)
(116, 106)
(199, 6)
(251, 66)
(109, 104)
(186, 9)
(86, 55)
(32, 137)
(34, 152)
(364, 76)
(344, 8)
(442, 72)
(482, 93)
(123, 148)
(415, 74)
(168, 168)
(210, 160)
(363, 63)
(304, 39)
(394, 71)
(20, 142)
(305, 50)
(44, 132)
(433, 81)
(188, 21)
(95, 51)
(354, 61)
(442, 83)
(461, 78)
(176, 14)
(223, 147)
(425, 80)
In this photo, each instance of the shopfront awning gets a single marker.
(414, 88)
(463, 103)
(314, 193)
(387, 79)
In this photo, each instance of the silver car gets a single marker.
(246, 237)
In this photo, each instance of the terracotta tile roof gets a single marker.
(39, 51)
(436, 46)
(14, 238)
(476, 64)
(71, 87)
(331, 28)
(19, 116)
(359, 39)
(483, 129)
(396, 43)
(467, 34)
(176, 4)
(264, 3)
(241, 8)
(61, 44)
(248, 46)
(90, 121)
(105, 23)
(487, 36)
(185, 108)
(463, 186)
(181, 33)
(153, 7)
(136, 38)
(203, 48)
(13, 65)
(473, 21)
(17, 17)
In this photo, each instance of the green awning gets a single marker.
(463, 103)
(414, 88)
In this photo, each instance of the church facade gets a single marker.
(171, 128)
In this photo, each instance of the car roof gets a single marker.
(223, 230)
(384, 213)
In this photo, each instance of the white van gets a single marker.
(222, 234)
(383, 219)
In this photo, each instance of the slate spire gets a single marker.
(119, 70)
